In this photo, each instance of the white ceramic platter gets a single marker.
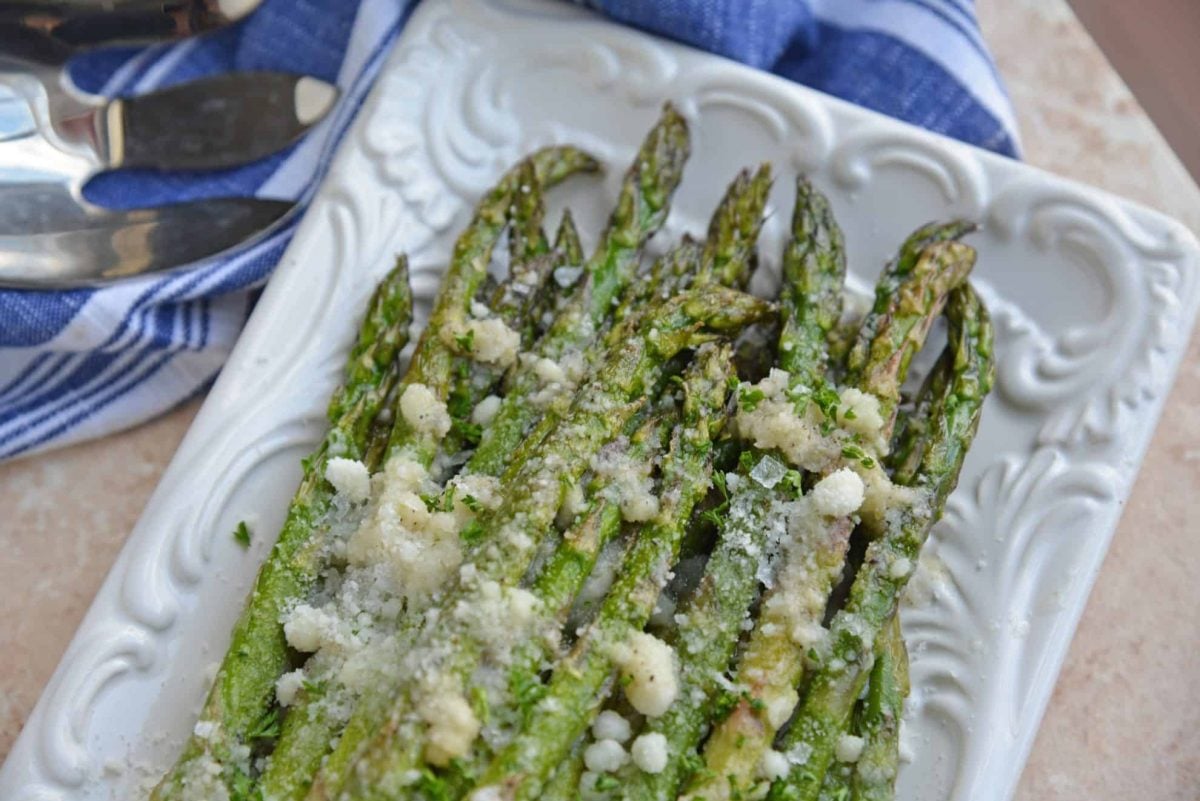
(1093, 299)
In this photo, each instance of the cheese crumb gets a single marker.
(423, 411)
(490, 341)
(453, 726)
(605, 756)
(650, 753)
(350, 478)
(900, 568)
(287, 686)
(839, 494)
(574, 503)
(610, 725)
(421, 548)
(773, 423)
(549, 372)
(849, 748)
(307, 628)
(774, 765)
(629, 485)
(648, 670)
(860, 414)
(780, 707)
(485, 411)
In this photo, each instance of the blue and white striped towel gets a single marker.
(83, 363)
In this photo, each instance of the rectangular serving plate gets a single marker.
(1093, 299)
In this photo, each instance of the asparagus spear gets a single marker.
(535, 492)
(564, 782)
(575, 689)
(733, 231)
(243, 690)
(899, 321)
(566, 240)
(879, 721)
(814, 273)
(838, 679)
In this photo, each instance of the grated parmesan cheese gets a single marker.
(774, 765)
(422, 410)
(860, 414)
(421, 548)
(849, 748)
(629, 483)
(610, 725)
(349, 477)
(648, 671)
(650, 753)
(485, 411)
(605, 756)
(453, 726)
(287, 686)
(491, 341)
(882, 497)
(307, 628)
(839, 494)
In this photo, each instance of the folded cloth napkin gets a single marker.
(83, 363)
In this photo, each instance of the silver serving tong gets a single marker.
(61, 26)
(56, 137)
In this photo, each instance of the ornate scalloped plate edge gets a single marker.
(1093, 298)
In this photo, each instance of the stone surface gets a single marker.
(1122, 720)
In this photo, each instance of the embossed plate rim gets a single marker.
(143, 635)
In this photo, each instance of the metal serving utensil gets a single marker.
(65, 25)
(54, 137)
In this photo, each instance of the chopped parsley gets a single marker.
(466, 342)
(241, 534)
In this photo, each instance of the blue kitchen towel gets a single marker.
(83, 363)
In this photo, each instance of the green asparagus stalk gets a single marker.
(575, 689)
(733, 231)
(912, 429)
(837, 785)
(669, 274)
(843, 669)
(899, 321)
(879, 721)
(566, 240)
(814, 273)
(564, 782)
(536, 488)
(243, 692)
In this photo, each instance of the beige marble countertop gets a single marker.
(1124, 719)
